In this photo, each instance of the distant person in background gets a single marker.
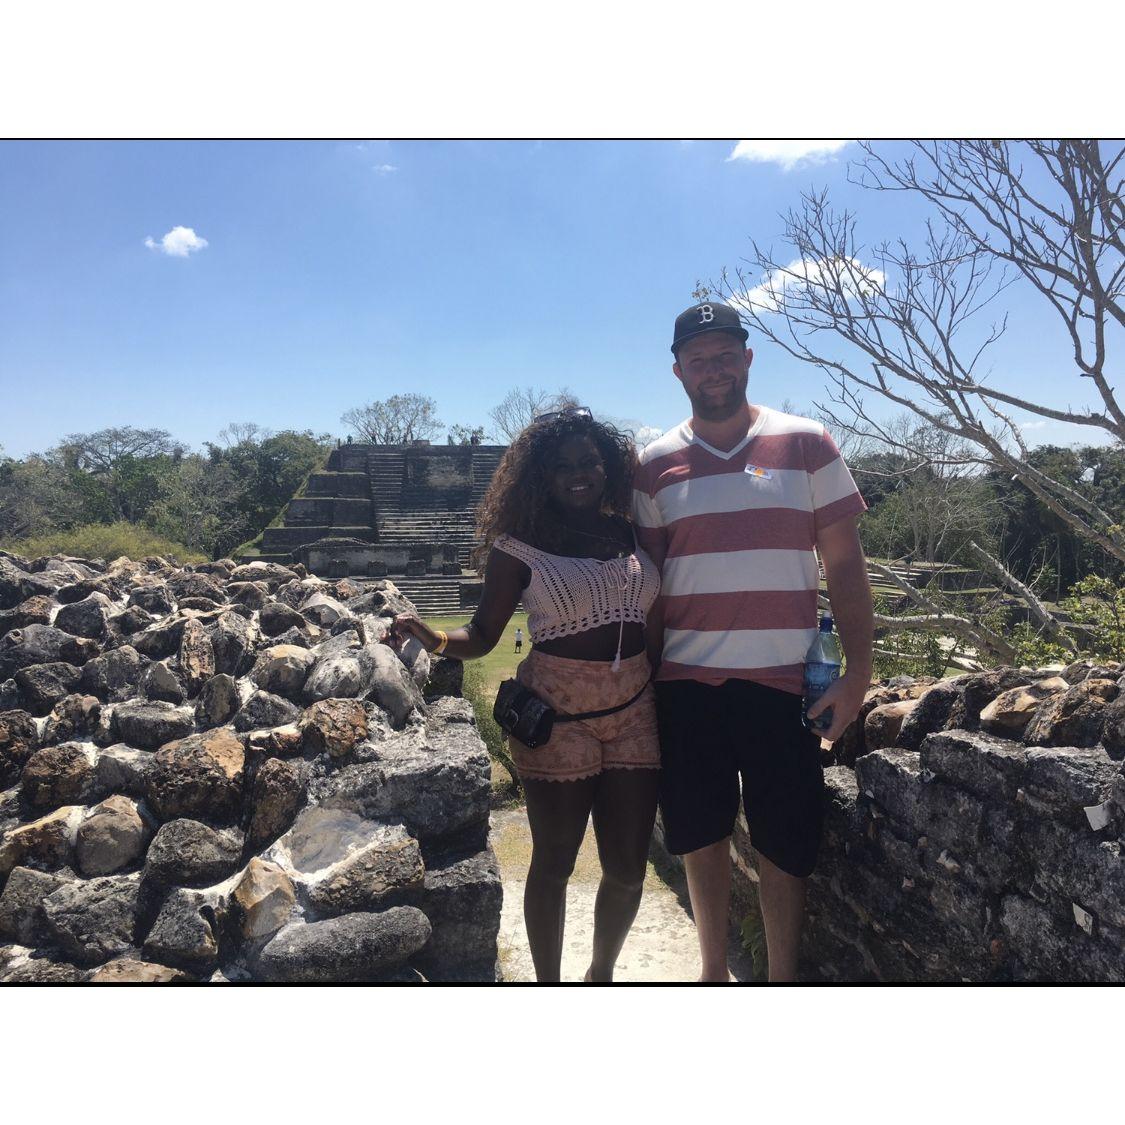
(519, 639)
(734, 505)
(555, 528)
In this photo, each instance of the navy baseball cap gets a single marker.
(708, 316)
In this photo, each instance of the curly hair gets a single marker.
(516, 502)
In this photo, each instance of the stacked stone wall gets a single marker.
(222, 773)
(975, 831)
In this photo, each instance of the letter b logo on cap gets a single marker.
(706, 314)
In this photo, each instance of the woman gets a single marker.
(556, 535)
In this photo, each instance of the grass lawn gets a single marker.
(500, 663)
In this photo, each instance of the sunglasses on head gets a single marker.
(566, 412)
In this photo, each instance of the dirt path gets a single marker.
(660, 947)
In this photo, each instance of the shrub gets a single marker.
(107, 541)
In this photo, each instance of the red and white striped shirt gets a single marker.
(734, 534)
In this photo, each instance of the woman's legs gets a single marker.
(557, 812)
(624, 811)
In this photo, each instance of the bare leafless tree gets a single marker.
(520, 406)
(394, 421)
(1048, 214)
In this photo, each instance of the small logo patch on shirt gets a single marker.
(757, 471)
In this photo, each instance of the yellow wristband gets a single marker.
(441, 643)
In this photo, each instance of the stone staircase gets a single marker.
(435, 595)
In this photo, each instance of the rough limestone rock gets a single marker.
(40, 970)
(988, 767)
(196, 659)
(149, 725)
(41, 644)
(58, 775)
(1068, 780)
(352, 948)
(46, 843)
(21, 906)
(152, 597)
(162, 639)
(85, 618)
(282, 670)
(128, 970)
(186, 584)
(41, 686)
(263, 900)
(162, 683)
(1010, 712)
(232, 640)
(276, 617)
(94, 920)
(343, 862)
(276, 796)
(218, 701)
(187, 931)
(74, 717)
(33, 611)
(462, 899)
(113, 837)
(264, 709)
(334, 726)
(932, 713)
(882, 725)
(188, 853)
(1113, 727)
(392, 686)
(198, 776)
(1074, 718)
(323, 611)
(19, 738)
(977, 691)
(123, 769)
(253, 595)
(132, 620)
(437, 787)
(272, 573)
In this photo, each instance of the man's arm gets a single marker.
(849, 591)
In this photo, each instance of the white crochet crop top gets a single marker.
(567, 596)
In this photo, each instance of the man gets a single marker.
(519, 639)
(734, 505)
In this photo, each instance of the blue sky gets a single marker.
(335, 273)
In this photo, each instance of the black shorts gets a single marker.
(710, 735)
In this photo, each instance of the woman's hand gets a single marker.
(411, 625)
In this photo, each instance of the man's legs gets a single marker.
(782, 898)
(708, 876)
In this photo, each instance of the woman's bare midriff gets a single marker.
(597, 644)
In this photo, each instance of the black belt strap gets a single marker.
(608, 711)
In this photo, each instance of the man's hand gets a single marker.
(845, 697)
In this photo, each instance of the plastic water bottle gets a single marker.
(822, 666)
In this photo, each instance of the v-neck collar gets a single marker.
(725, 455)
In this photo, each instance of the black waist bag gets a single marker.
(520, 713)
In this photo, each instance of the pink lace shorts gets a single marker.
(625, 740)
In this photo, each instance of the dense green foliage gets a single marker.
(206, 502)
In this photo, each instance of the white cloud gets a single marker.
(179, 242)
(386, 169)
(1034, 425)
(853, 277)
(789, 154)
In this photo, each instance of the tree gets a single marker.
(119, 469)
(397, 420)
(906, 319)
(466, 435)
(926, 496)
(521, 405)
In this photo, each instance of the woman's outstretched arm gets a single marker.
(504, 580)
